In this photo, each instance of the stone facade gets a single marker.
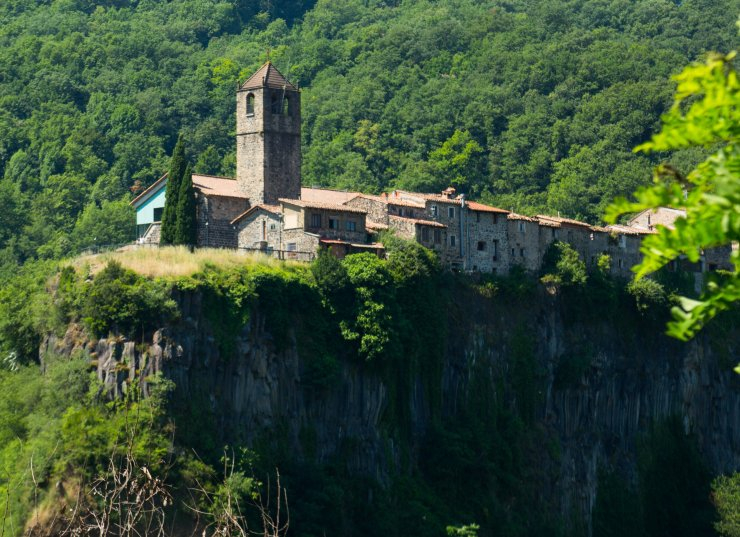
(259, 229)
(486, 241)
(268, 137)
(215, 214)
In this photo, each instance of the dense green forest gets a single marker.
(532, 105)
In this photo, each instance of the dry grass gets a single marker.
(175, 261)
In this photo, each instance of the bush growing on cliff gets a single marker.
(562, 265)
(118, 299)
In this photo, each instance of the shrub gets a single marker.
(120, 300)
(561, 264)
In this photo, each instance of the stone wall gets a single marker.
(486, 242)
(268, 146)
(259, 227)
(376, 209)
(524, 243)
(215, 214)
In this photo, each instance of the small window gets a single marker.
(522, 227)
(620, 263)
(272, 227)
(481, 246)
(477, 217)
(400, 211)
(158, 214)
(290, 247)
(513, 252)
(286, 106)
(494, 246)
(437, 236)
(433, 208)
(452, 240)
(276, 103)
(351, 225)
(495, 219)
(333, 223)
(554, 232)
(425, 234)
(521, 252)
(451, 212)
(623, 241)
(316, 220)
(250, 104)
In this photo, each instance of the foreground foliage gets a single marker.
(706, 113)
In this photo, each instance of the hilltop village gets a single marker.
(266, 209)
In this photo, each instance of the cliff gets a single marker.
(588, 386)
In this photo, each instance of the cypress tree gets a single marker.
(185, 228)
(169, 214)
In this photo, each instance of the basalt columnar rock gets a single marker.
(594, 389)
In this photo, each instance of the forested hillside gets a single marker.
(528, 104)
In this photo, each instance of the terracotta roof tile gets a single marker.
(475, 206)
(321, 205)
(326, 195)
(267, 76)
(375, 226)
(514, 216)
(561, 220)
(626, 230)
(211, 185)
(269, 208)
(417, 221)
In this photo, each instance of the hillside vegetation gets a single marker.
(529, 104)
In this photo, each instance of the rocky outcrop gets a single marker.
(595, 410)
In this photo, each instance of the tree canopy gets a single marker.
(533, 105)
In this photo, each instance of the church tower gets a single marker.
(268, 137)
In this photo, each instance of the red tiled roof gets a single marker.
(514, 216)
(417, 221)
(561, 220)
(425, 196)
(267, 76)
(208, 185)
(211, 185)
(326, 195)
(626, 230)
(269, 208)
(375, 225)
(475, 206)
(320, 205)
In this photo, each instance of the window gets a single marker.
(400, 211)
(286, 106)
(437, 236)
(425, 234)
(452, 240)
(316, 220)
(451, 212)
(477, 217)
(623, 241)
(554, 232)
(272, 227)
(250, 104)
(481, 246)
(290, 247)
(276, 103)
(494, 246)
(620, 263)
(513, 252)
(521, 252)
(158, 214)
(351, 225)
(495, 219)
(333, 223)
(433, 208)
(522, 227)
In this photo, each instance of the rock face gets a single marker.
(595, 389)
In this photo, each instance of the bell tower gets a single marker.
(268, 137)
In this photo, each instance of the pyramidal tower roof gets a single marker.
(268, 76)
